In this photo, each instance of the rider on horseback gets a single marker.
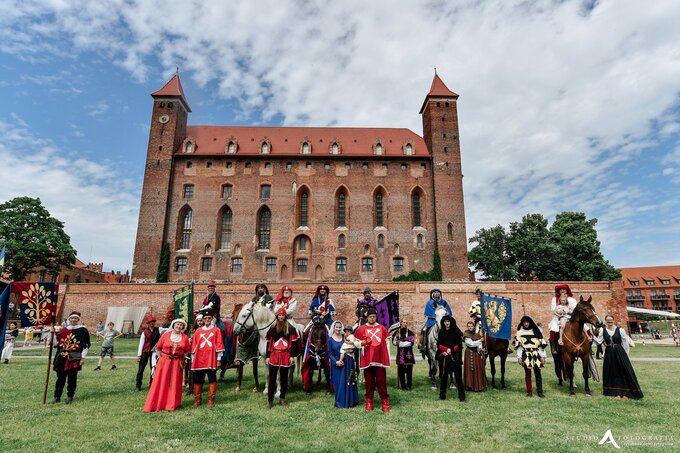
(363, 304)
(562, 306)
(321, 306)
(435, 301)
(286, 301)
(212, 303)
(262, 296)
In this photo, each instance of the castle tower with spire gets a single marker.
(168, 130)
(440, 131)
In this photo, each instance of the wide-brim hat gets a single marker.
(212, 284)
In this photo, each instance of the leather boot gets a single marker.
(385, 406)
(369, 404)
(212, 391)
(198, 395)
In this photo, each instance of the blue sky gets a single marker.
(571, 105)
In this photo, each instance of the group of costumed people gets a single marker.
(350, 350)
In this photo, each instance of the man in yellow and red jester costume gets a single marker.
(73, 342)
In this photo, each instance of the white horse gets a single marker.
(257, 317)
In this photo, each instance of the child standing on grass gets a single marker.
(10, 337)
(108, 335)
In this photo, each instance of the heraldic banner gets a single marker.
(388, 311)
(497, 316)
(184, 303)
(37, 302)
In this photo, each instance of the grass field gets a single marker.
(106, 415)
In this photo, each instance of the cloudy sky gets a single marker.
(565, 105)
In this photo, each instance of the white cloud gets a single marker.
(98, 109)
(554, 95)
(98, 206)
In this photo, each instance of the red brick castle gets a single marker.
(301, 203)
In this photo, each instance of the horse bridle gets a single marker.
(250, 315)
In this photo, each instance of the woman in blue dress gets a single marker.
(343, 373)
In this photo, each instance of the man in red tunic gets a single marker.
(207, 348)
(282, 347)
(375, 358)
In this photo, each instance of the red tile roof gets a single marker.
(173, 88)
(438, 89)
(650, 273)
(287, 141)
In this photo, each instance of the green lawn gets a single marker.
(106, 415)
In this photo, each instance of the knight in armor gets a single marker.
(363, 304)
(531, 354)
(206, 350)
(436, 300)
(322, 306)
(73, 342)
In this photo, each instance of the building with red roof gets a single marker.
(282, 204)
(655, 287)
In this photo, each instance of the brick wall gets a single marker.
(533, 297)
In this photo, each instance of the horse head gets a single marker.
(319, 336)
(245, 319)
(585, 312)
(439, 313)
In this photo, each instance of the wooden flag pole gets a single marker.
(55, 316)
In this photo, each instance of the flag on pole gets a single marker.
(4, 313)
(497, 316)
(2, 255)
(37, 302)
(388, 311)
(184, 303)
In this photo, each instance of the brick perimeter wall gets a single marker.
(533, 297)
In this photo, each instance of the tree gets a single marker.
(577, 254)
(490, 254)
(568, 250)
(34, 239)
(529, 248)
(163, 265)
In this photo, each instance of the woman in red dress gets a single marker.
(165, 392)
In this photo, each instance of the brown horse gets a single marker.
(315, 356)
(496, 347)
(576, 343)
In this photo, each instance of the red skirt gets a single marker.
(165, 393)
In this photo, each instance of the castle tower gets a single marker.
(440, 131)
(168, 130)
